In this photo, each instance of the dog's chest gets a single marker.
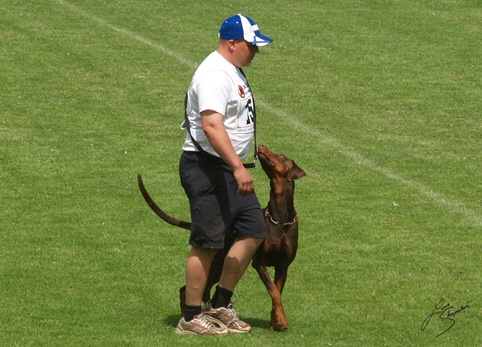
(280, 245)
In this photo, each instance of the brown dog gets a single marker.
(281, 240)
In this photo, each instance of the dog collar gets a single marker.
(267, 214)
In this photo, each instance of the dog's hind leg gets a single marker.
(182, 299)
(214, 273)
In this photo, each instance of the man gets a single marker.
(220, 123)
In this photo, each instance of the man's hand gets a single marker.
(245, 181)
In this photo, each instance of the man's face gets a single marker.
(245, 52)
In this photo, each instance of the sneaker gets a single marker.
(228, 317)
(201, 324)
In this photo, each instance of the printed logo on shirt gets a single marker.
(245, 120)
(241, 91)
(250, 112)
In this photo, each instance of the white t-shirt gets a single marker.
(220, 86)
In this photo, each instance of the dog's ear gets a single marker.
(295, 173)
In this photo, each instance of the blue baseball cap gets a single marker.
(239, 27)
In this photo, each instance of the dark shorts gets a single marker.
(216, 208)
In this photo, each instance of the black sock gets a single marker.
(222, 297)
(191, 311)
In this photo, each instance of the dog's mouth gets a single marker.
(263, 157)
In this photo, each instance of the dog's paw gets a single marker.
(279, 324)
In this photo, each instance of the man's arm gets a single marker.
(213, 127)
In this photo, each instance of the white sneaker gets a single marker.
(228, 317)
(201, 324)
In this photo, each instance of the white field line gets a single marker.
(325, 139)
(130, 34)
(457, 207)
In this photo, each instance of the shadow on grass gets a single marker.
(173, 319)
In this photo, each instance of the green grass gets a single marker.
(379, 101)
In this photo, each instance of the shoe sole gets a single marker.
(237, 331)
(224, 331)
(184, 332)
(187, 332)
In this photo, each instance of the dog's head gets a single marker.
(279, 165)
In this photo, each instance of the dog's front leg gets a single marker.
(278, 316)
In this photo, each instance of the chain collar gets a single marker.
(267, 214)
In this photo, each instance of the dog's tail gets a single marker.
(157, 210)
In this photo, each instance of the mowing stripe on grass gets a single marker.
(320, 137)
(128, 33)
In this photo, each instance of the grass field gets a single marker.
(378, 101)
